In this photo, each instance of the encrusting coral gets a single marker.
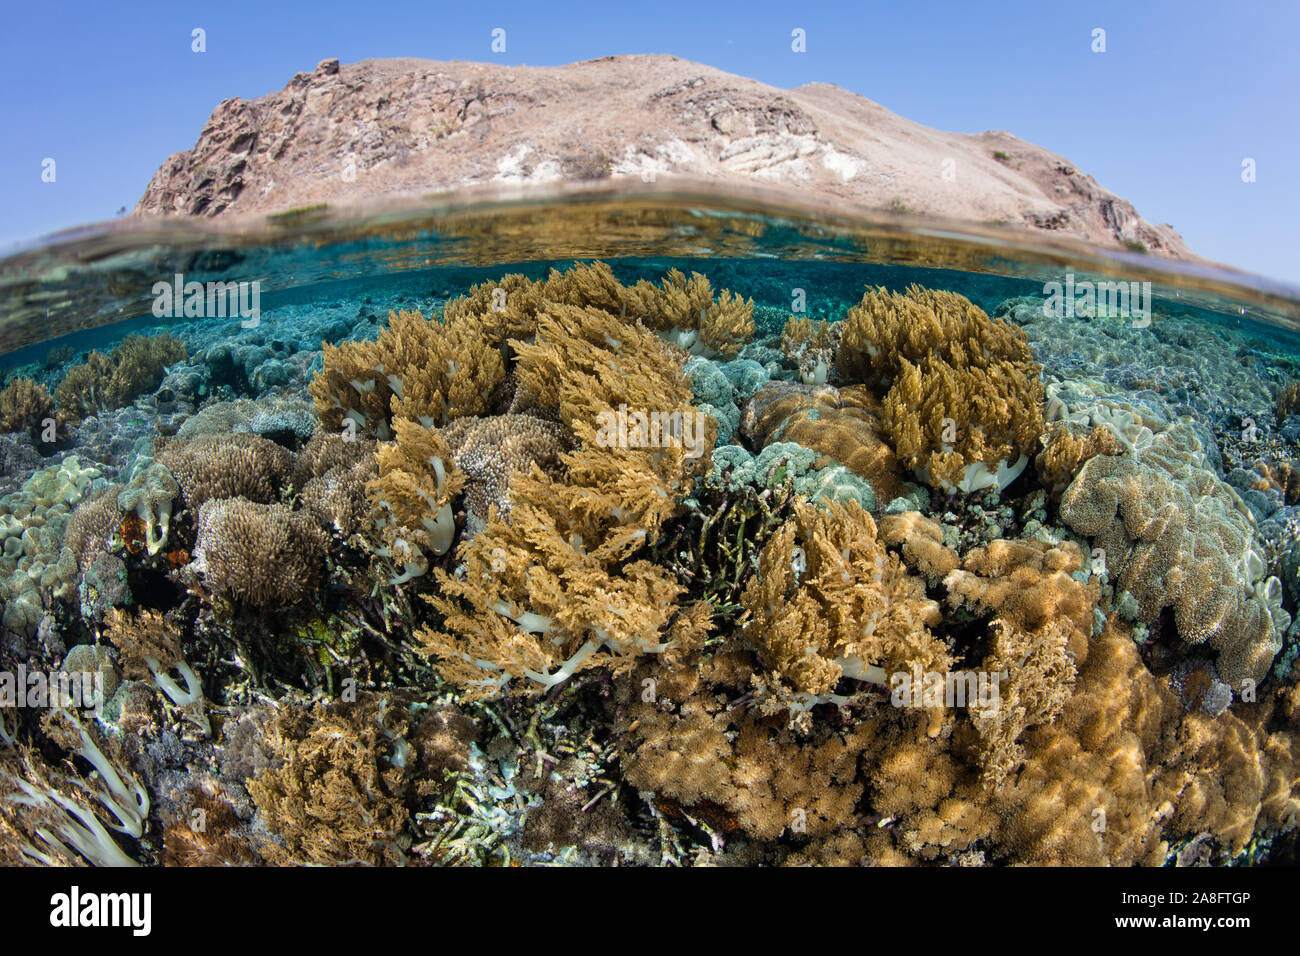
(962, 393)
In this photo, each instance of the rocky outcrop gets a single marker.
(389, 127)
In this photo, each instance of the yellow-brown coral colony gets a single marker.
(908, 661)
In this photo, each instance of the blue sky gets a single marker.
(1184, 92)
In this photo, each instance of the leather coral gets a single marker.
(963, 395)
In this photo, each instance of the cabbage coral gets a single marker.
(962, 393)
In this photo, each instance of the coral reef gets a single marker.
(336, 794)
(829, 602)
(226, 466)
(842, 425)
(543, 591)
(812, 345)
(26, 406)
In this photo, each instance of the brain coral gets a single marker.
(257, 553)
(963, 396)
(1174, 535)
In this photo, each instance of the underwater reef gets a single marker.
(590, 568)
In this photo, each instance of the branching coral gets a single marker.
(962, 394)
(104, 382)
(829, 602)
(260, 554)
(1174, 535)
(227, 466)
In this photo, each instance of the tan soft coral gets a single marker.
(411, 498)
(963, 395)
(733, 766)
(545, 591)
(104, 382)
(1174, 535)
(336, 794)
(811, 345)
(422, 370)
(1067, 448)
(26, 406)
(829, 601)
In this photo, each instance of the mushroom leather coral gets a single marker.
(842, 424)
(829, 601)
(963, 395)
(1174, 535)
